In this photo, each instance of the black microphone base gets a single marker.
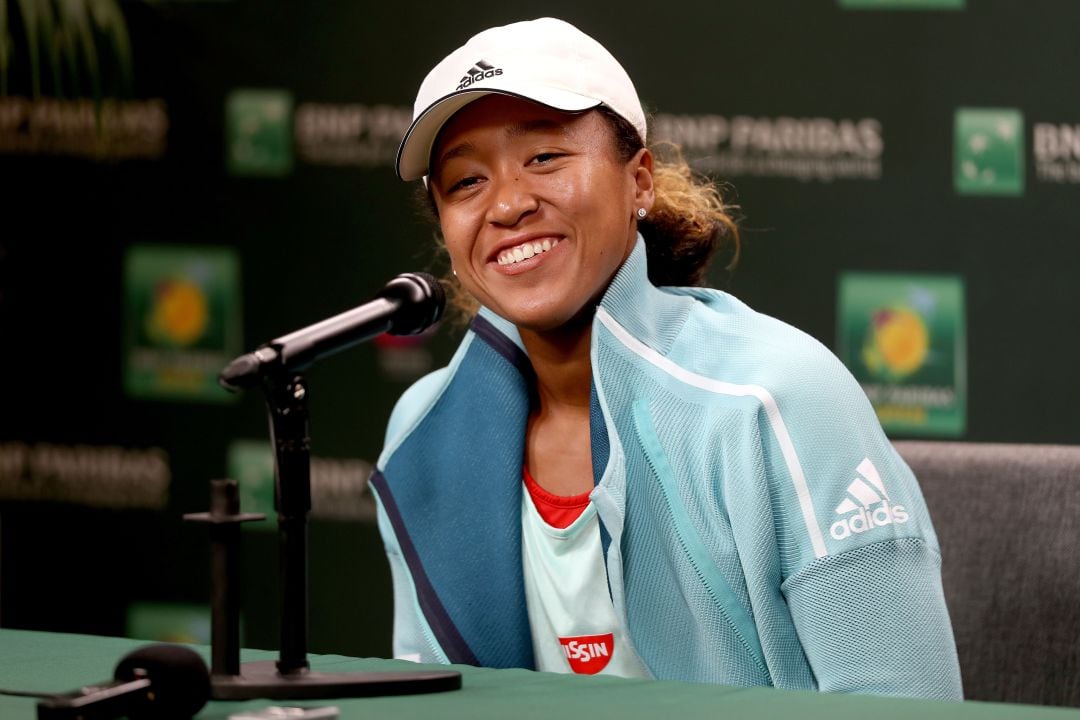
(262, 680)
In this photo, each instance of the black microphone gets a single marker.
(407, 305)
(157, 681)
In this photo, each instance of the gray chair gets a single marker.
(1008, 520)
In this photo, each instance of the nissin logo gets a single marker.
(588, 654)
(868, 491)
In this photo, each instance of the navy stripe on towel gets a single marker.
(505, 347)
(447, 634)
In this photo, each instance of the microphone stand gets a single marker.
(290, 677)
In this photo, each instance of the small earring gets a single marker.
(641, 213)
(453, 270)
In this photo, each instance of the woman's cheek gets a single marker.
(459, 233)
(565, 192)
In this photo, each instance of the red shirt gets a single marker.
(558, 511)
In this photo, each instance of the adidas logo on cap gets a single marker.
(479, 71)
(868, 490)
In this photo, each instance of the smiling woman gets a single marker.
(616, 474)
(511, 175)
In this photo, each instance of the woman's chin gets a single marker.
(550, 318)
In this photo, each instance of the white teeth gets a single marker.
(525, 251)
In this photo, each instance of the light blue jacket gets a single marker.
(759, 529)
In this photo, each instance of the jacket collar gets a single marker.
(650, 314)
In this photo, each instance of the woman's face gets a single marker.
(537, 210)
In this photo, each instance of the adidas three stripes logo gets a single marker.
(480, 70)
(866, 491)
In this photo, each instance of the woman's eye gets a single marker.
(464, 183)
(546, 157)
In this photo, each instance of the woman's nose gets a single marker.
(511, 202)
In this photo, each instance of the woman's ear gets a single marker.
(641, 165)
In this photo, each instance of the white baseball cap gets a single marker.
(547, 61)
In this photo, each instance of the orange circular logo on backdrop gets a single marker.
(897, 343)
(180, 312)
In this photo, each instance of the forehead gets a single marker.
(503, 117)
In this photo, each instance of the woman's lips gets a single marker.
(525, 250)
(525, 256)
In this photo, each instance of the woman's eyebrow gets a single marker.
(537, 125)
(513, 130)
(457, 151)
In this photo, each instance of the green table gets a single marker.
(46, 662)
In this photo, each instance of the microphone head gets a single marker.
(240, 373)
(421, 299)
(179, 681)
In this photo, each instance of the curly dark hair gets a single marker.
(689, 221)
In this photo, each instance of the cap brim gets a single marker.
(414, 154)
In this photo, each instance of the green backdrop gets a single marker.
(905, 138)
